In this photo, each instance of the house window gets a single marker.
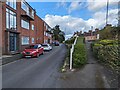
(33, 40)
(44, 24)
(25, 40)
(10, 19)
(11, 3)
(46, 27)
(24, 6)
(49, 35)
(25, 24)
(32, 13)
(32, 27)
(44, 33)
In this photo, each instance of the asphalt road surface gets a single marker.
(42, 72)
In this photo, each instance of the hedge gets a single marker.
(108, 42)
(79, 54)
(107, 53)
(70, 41)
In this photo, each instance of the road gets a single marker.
(42, 72)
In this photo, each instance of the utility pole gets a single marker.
(107, 12)
(119, 14)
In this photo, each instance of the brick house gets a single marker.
(91, 35)
(21, 27)
(43, 31)
(0, 29)
(47, 33)
(39, 30)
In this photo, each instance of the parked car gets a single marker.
(56, 43)
(47, 47)
(33, 51)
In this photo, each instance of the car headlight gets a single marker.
(33, 52)
(23, 52)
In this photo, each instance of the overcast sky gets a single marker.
(76, 16)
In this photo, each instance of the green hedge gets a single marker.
(79, 54)
(71, 41)
(107, 52)
(108, 42)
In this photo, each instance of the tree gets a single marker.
(109, 32)
(58, 34)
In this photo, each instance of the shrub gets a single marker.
(97, 45)
(106, 51)
(71, 41)
(79, 54)
(107, 42)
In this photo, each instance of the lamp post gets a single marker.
(107, 12)
(119, 13)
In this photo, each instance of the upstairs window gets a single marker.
(32, 27)
(44, 33)
(11, 3)
(25, 7)
(10, 19)
(32, 13)
(25, 24)
(46, 27)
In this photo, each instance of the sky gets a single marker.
(77, 15)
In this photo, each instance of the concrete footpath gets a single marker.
(10, 58)
(92, 75)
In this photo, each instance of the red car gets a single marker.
(33, 51)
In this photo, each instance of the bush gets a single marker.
(106, 51)
(71, 41)
(97, 45)
(79, 54)
(108, 42)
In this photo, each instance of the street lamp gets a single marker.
(107, 12)
(119, 13)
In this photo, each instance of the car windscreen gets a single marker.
(44, 45)
(57, 42)
(33, 46)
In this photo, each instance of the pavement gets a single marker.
(92, 75)
(44, 72)
(10, 58)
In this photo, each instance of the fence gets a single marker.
(71, 52)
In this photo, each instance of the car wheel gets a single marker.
(42, 52)
(38, 55)
(23, 56)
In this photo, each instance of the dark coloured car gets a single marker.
(57, 43)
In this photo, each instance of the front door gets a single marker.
(13, 41)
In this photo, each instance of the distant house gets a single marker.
(91, 35)
(47, 33)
